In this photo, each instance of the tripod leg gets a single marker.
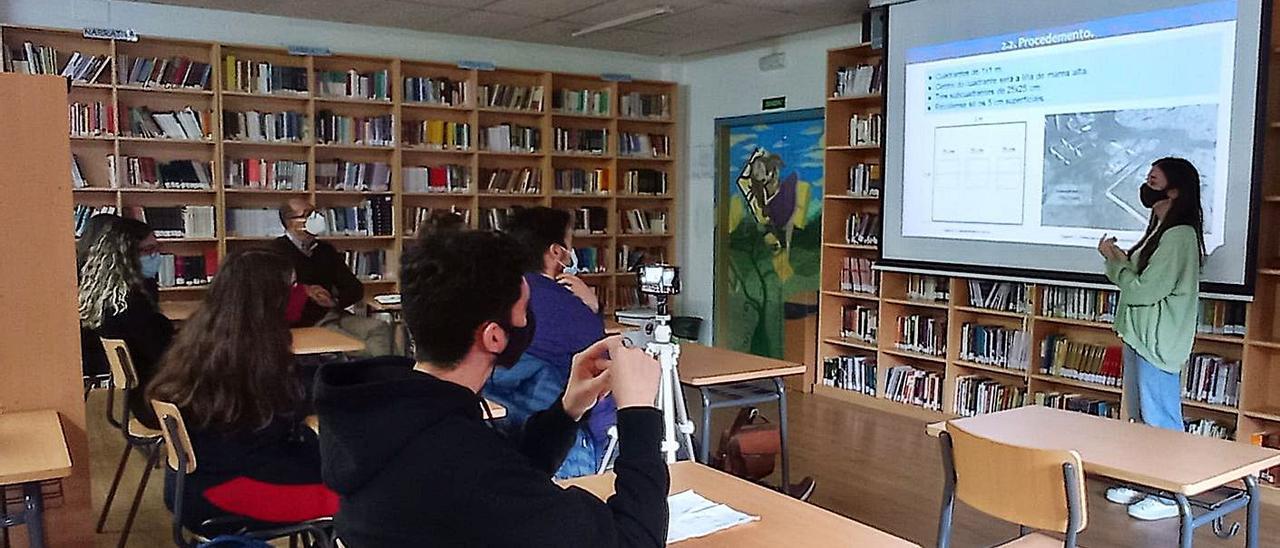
(685, 433)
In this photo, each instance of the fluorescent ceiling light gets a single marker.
(625, 20)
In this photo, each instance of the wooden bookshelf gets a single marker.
(219, 97)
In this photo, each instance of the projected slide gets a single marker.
(1044, 136)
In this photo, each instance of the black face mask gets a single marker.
(1151, 196)
(518, 340)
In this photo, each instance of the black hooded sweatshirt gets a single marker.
(415, 464)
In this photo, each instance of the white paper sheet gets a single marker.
(692, 516)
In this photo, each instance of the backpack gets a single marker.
(749, 448)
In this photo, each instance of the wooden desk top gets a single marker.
(318, 340)
(376, 306)
(1154, 457)
(178, 311)
(32, 447)
(784, 521)
(704, 366)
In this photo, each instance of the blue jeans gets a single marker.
(1153, 396)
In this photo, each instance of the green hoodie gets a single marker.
(1158, 306)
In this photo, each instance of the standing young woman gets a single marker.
(1159, 281)
(231, 372)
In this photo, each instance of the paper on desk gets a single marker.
(694, 516)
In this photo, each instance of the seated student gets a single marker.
(117, 300)
(546, 236)
(408, 450)
(328, 283)
(231, 373)
(92, 359)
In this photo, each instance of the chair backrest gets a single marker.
(123, 375)
(176, 438)
(1022, 485)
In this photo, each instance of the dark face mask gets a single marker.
(1151, 196)
(518, 340)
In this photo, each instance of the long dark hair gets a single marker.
(1185, 209)
(111, 270)
(231, 367)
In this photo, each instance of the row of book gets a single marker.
(437, 134)
(590, 220)
(646, 182)
(918, 387)
(645, 145)
(866, 129)
(591, 259)
(192, 221)
(1004, 296)
(332, 127)
(261, 77)
(353, 176)
(574, 139)
(85, 68)
(440, 178)
(256, 126)
(977, 395)
(1095, 363)
(256, 222)
(187, 270)
(375, 85)
(372, 217)
(510, 138)
(644, 221)
(923, 334)
(439, 91)
(525, 180)
(584, 101)
(995, 345)
(146, 172)
(630, 257)
(370, 264)
(858, 275)
(1079, 403)
(91, 119)
(1076, 303)
(859, 322)
(865, 180)
(863, 228)
(262, 173)
(30, 59)
(416, 217)
(1211, 378)
(928, 288)
(495, 218)
(855, 373)
(168, 72)
(582, 181)
(1209, 428)
(630, 298)
(511, 97)
(859, 81)
(644, 105)
(185, 124)
(1221, 317)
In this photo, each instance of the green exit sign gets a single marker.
(773, 103)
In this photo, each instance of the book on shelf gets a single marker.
(30, 58)
(145, 172)
(369, 264)
(862, 228)
(859, 81)
(353, 176)
(630, 298)
(645, 182)
(525, 180)
(584, 101)
(1075, 303)
(437, 134)
(591, 259)
(590, 220)
(644, 145)
(1079, 403)
(375, 85)
(81, 213)
(85, 68)
(438, 91)
(582, 181)
(187, 270)
(168, 72)
(865, 180)
(918, 387)
(495, 218)
(271, 127)
(1002, 296)
(511, 97)
(644, 221)
(1093, 363)
(77, 178)
(192, 221)
(977, 395)
(866, 129)
(858, 275)
(260, 77)
(644, 105)
(928, 288)
(859, 322)
(416, 217)
(995, 345)
(581, 140)
(1209, 428)
(922, 334)
(334, 128)
(630, 258)
(438, 178)
(372, 217)
(253, 222)
(185, 124)
(1221, 317)
(1212, 379)
(262, 173)
(92, 119)
(854, 373)
(507, 137)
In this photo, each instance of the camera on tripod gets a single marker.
(659, 279)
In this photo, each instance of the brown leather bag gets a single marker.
(749, 448)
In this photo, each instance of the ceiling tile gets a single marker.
(463, 4)
(839, 11)
(616, 39)
(485, 23)
(547, 32)
(607, 11)
(545, 9)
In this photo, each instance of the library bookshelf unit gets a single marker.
(372, 130)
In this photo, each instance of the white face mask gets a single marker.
(571, 268)
(316, 224)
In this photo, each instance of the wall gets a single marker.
(731, 84)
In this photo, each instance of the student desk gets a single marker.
(784, 521)
(318, 340)
(32, 449)
(1183, 465)
(729, 379)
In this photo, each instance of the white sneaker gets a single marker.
(1153, 508)
(1123, 495)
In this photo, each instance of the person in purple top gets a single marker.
(569, 321)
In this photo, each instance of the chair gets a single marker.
(182, 460)
(136, 435)
(1036, 488)
(686, 327)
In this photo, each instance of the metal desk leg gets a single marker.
(704, 449)
(34, 507)
(1255, 504)
(782, 428)
(1186, 520)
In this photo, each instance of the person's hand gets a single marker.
(580, 289)
(589, 377)
(321, 296)
(1107, 247)
(635, 376)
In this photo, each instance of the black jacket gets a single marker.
(327, 268)
(147, 333)
(414, 464)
